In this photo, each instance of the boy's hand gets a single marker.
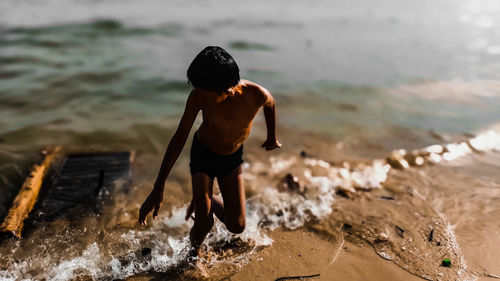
(153, 201)
(271, 144)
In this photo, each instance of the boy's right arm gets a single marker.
(155, 198)
(270, 116)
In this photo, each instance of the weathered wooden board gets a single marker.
(81, 180)
(77, 187)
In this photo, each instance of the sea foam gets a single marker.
(269, 209)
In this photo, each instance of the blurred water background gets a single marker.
(364, 76)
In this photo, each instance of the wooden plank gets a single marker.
(75, 190)
(79, 183)
(27, 196)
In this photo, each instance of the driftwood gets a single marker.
(27, 196)
(296, 277)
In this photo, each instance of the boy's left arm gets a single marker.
(270, 116)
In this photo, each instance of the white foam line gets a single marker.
(484, 142)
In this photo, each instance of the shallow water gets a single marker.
(353, 80)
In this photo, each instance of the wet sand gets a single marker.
(303, 253)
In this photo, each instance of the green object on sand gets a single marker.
(446, 263)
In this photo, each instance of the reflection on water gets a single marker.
(481, 13)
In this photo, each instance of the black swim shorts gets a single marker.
(213, 164)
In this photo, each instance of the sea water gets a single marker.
(355, 82)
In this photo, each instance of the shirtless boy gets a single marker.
(229, 106)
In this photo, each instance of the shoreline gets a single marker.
(303, 253)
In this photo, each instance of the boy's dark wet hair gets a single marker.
(213, 69)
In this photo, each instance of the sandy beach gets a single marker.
(300, 253)
(342, 247)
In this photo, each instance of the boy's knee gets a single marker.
(236, 226)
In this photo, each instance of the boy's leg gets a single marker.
(233, 194)
(218, 207)
(202, 195)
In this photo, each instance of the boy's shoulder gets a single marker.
(255, 90)
(252, 86)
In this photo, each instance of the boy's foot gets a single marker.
(194, 267)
